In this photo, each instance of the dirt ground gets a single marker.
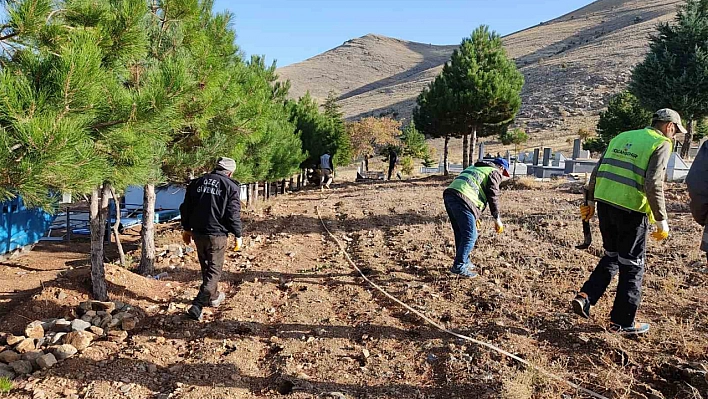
(299, 322)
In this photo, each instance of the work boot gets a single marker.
(216, 302)
(194, 312)
(581, 305)
(465, 271)
(636, 329)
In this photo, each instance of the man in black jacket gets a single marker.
(210, 211)
(697, 182)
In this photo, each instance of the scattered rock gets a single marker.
(48, 325)
(333, 395)
(64, 351)
(9, 356)
(13, 340)
(96, 330)
(129, 323)
(79, 339)
(105, 321)
(26, 345)
(57, 338)
(119, 305)
(62, 325)
(34, 330)
(96, 321)
(6, 371)
(21, 367)
(117, 336)
(32, 356)
(46, 361)
(61, 295)
(79, 325)
(151, 368)
(107, 307)
(366, 353)
(90, 313)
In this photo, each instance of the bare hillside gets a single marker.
(572, 65)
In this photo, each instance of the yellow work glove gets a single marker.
(478, 224)
(499, 225)
(662, 231)
(239, 244)
(587, 211)
(187, 237)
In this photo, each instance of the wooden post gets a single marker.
(266, 190)
(292, 181)
(248, 194)
(299, 181)
(68, 224)
(282, 187)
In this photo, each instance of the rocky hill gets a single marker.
(572, 65)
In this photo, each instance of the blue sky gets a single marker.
(290, 31)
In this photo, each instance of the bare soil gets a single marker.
(298, 322)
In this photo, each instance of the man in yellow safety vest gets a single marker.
(627, 184)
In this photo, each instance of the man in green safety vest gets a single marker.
(627, 184)
(465, 199)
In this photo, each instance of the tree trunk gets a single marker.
(147, 232)
(445, 157)
(688, 139)
(282, 187)
(255, 192)
(366, 163)
(473, 145)
(465, 158)
(97, 225)
(116, 233)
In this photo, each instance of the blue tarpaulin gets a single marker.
(21, 226)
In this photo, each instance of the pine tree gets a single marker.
(433, 115)
(624, 112)
(479, 86)
(414, 143)
(674, 73)
(319, 132)
(485, 83)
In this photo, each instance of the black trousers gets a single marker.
(210, 250)
(624, 237)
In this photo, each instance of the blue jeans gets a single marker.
(464, 224)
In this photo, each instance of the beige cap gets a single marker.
(227, 164)
(669, 115)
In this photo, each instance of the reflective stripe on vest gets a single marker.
(620, 176)
(471, 183)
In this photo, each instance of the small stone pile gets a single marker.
(46, 342)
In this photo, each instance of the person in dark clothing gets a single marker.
(392, 159)
(628, 183)
(697, 182)
(210, 211)
(466, 197)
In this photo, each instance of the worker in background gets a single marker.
(210, 211)
(392, 159)
(465, 199)
(697, 182)
(627, 184)
(326, 170)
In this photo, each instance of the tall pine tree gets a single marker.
(674, 73)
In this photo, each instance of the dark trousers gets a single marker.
(464, 225)
(624, 235)
(210, 250)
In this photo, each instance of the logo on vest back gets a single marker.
(626, 151)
